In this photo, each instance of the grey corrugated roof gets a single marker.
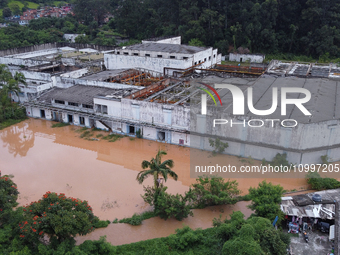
(166, 48)
(82, 94)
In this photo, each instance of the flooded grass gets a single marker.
(137, 219)
(86, 134)
(60, 124)
(112, 137)
(10, 122)
(81, 129)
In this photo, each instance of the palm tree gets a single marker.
(9, 83)
(157, 168)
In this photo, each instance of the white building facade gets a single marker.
(157, 56)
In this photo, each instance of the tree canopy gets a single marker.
(58, 216)
(266, 199)
(306, 27)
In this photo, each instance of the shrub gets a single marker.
(139, 133)
(325, 159)
(218, 145)
(168, 206)
(101, 223)
(135, 220)
(280, 160)
(317, 182)
(214, 191)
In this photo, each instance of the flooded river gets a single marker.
(104, 173)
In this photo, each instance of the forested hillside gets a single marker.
(304, 27)
(286, 27)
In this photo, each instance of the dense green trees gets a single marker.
(266, 199)
(8, 198)
(91, 10)
(306, 27)
(10, 112)
(58, 216)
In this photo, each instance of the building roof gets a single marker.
(104, 75)
(167, 48)
(304, 206)
(83, 94)
(323, 211)
(324, 104)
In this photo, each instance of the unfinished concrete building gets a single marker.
(164, 102)
(313, 137)
(155, 55)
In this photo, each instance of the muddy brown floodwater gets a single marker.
(104, 173)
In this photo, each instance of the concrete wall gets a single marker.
(245, 57)
(144, 115)
(47, 46)
(301, 137)
(113, 61)
(35, 53)
(68, 61)
(75, 74)
(24, 62)
(33, 75)
(172, 40)
(64, 82)
(303, 144)
(28, 49)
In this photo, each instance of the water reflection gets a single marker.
(19, 139)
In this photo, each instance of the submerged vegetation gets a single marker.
(319, 183)
(60, 124)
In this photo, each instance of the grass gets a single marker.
(86, 134)
(136, 219)
(60, 124)
(10, 122)
(81, 130)
(112, 137)
(99, 135)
